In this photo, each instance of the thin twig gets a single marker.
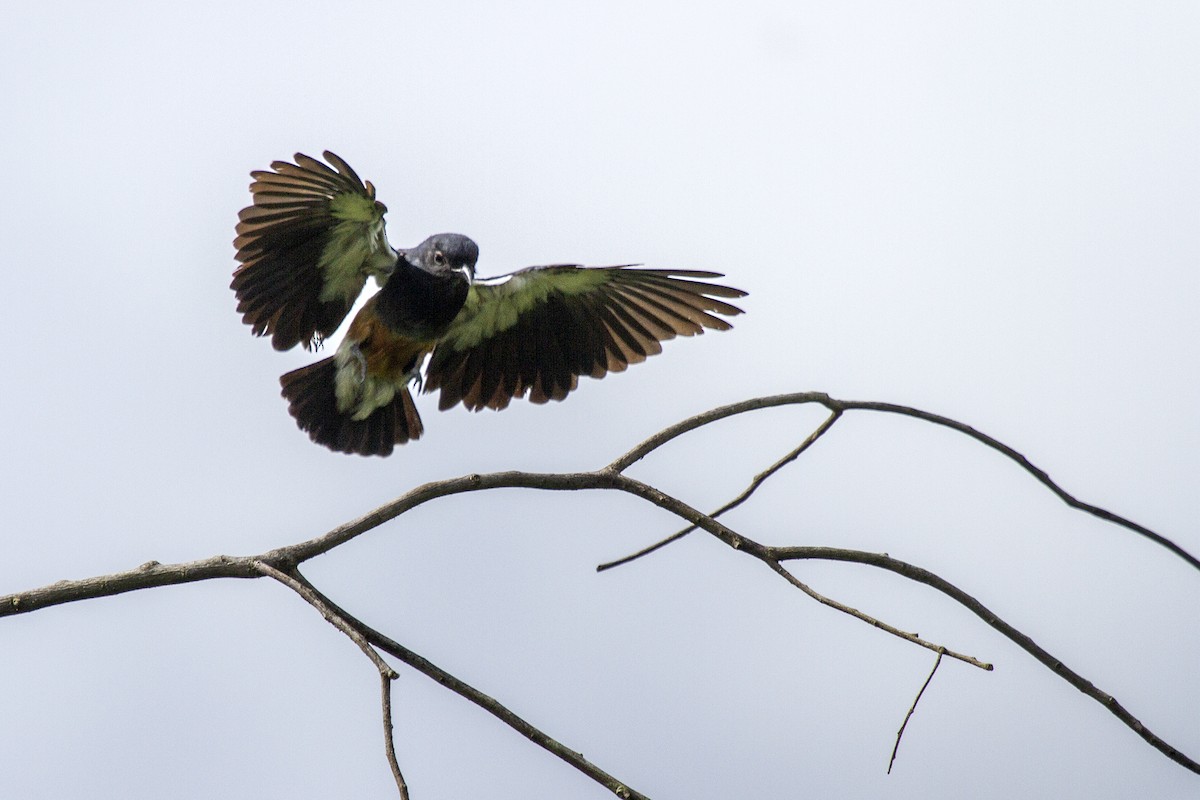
(1037, 472)
(763, 553)
(647, 446)
(1055, 665)
(758, 481)
(743, 543)
(333, 617)
(883, 626)
(487, 703)
(800, 398)
(340, 620)
(389, 742)
(911, 709)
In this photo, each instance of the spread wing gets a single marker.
(537, 330)
(306, 247)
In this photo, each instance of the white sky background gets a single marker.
(985, 210)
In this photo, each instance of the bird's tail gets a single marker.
(312, 401)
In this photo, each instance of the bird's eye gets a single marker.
(439, 258)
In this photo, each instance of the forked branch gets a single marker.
(281, 565)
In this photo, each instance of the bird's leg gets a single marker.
(415, 377)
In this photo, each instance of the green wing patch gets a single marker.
(307, 245)
(357, 247)
(535, 332)
(495, 307)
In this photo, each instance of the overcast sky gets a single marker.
(987, 210)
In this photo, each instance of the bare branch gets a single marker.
(340, 620)
(147, 576)
(569, 481)
(285, 560)
(389, 742)
(883, 626)
(884, 561)
(745, 544)
(489, 704)
(678, 429)
(758, 481)
(911, 709)
(1037, 472)
(335, 618)
(768, 554)
(800, 398)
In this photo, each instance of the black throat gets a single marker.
(420, 304)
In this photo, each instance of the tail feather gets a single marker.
(311, 400)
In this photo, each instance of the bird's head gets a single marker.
(444, 253)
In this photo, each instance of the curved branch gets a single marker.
(756, 482)
(801, 398)
(1037, 472)
(606, 479)
(286, 559)
(920, 575)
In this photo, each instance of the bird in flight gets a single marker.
(314, 235)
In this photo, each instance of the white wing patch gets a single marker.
(498, 281)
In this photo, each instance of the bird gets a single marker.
(315, 234)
